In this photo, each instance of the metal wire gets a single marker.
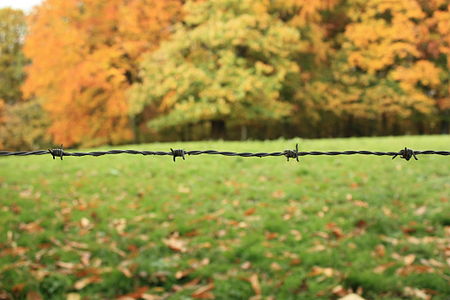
(406, 153)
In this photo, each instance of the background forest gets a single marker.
(94, 72)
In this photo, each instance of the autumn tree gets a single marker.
(228, 61)
(383, 69)
(84, 58)
(12, 60)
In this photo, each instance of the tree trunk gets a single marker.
(218, 129)
(135, 124)
(243, 133)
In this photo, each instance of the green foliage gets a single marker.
(12, 60)
(228, 60)
(23, 126)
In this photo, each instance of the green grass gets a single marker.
(302, 228)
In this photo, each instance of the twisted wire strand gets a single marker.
(404, 153)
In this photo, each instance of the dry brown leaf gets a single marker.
(317, 248)
(361, 203)
(28, 193)
(150, 297)
(380, 250)
(381, 268)
(73, 296)
(125, 271)
(316, 270)
(15, 251)
(32, 227)
(204, 292)
(271, 235)
(181, 274)
(420, 211)
(119, 225)
(278, 194)
(136, 294)
(184, 189)
(254, 282)
(85, 258)
(82, 283)
(275, 266)
(339, 291)
(352, 297)
(413, 292)
(32, 295)
(409, 259)
(66, 265)
(407, 270)
(175, 244)
(84, 222)
(250, 211)
(297, 234)
(246, 265)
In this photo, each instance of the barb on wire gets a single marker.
(292, 153)
(406, 153)
(177, 153)
(57, 152)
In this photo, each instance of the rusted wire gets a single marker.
(405, 153)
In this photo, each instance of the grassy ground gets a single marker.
(227, 227)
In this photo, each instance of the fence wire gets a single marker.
(405, 153)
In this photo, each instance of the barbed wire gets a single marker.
(406, 153)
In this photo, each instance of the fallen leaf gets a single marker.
(420, 211)
(352, 297)
(82, 283)
(119, 225)
(339, 291)
(271, 235)
(184, 273)
(317, 248)
(278, 194)
(32, 295)
(73, 296)
(136, 294)
(250, 211)
(413, 292)
(84, 222)
(379, 251)
(183, 189)
(409, 259)
(204, 292)
(275, 266)
(18, 288)
(175, 244)
(28, 193)
(407, 270)
(297, 234)
(150, 297)
(246, 265)
(254, 282)
(381, 268)
(15, 251)
(316, 270)
(32, 227)
(361, 203)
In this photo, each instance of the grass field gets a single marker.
(228, 228)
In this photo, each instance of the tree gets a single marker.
(89, 60)
(383, 69)
(228, 61)
(12, 60)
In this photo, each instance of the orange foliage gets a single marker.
(85, 56)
